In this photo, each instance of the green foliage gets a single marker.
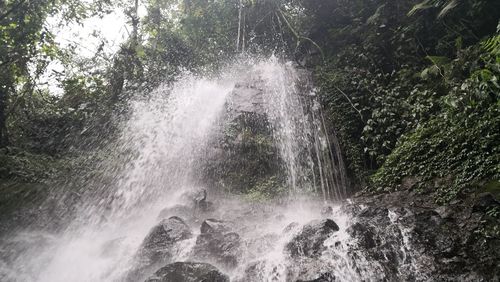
(444, 6)
(489, 227)
(408, 96)
(266, 189)
(22, 166)
(461, 142)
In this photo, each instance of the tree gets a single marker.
(26, 43)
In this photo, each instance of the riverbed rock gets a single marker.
(218, 243)
(309, 241)
(157, 248)
(406, 237)
(188, 272)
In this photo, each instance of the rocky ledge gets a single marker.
(409, 238)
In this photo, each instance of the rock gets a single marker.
(161, 238)
(254, 271)
(217, 242)
(188, 272)
(290, 227)
(177, 210)
(206, 207)
(247, 98)
(309, 241)
(484, 201)
(424, 241)
(158, 245)
(327, 211)
(364, 234)
(260, 246)
(215, 226)
(324, 277)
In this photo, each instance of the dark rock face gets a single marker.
(485, 201)
(421, 241)
(309, 241)
(218, 243)
(188, 272)
(157, 247)
(246, 157)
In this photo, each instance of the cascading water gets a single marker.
(160, 150)
(296, 118)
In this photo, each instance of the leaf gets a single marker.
(438, 60)
(449, 6)
(420, 6)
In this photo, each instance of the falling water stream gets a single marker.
(159, 150)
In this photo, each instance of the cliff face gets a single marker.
(245, 158)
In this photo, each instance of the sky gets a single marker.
(112, 27)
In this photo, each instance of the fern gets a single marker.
(444, 6)
(492, 45)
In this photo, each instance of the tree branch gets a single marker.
(350, 102)
(300, 37)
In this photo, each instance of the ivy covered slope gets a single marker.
(412, 89)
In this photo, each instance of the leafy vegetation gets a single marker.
(411, 88)
(415, 98)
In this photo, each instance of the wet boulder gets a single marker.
(256, 247)
(259, 270)
(188, 272)
(158, 246)
(183, 211)
(309, 241)
(211, 226)
(327, 211)
(364, 234)
(163, 236)
(217, 242)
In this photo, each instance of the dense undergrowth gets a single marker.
(415, 98)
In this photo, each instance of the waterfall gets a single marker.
(156, 162)
(300, 132)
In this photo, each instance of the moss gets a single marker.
(266, 189)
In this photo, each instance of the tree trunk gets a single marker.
(135, 24)
(4, 140)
